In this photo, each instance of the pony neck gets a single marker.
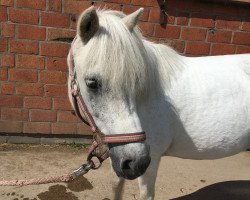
(165, 64)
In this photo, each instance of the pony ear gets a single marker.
(131, 20)
(88, 24)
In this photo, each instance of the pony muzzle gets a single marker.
(130, 160)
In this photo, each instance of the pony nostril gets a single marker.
(126, 165)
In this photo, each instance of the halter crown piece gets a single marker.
(97, 148)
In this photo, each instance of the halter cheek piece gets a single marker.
(97, 148)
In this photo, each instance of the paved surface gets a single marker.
(224, 179)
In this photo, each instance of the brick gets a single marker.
(7, 88)
(83, 129)
(145, 3)
(177, 45)
(128, 9)
(202, 20)
(241, 38)
(228, 23)
(220, 36)
(54, 49)
(56, 91)
(30, 61)
(38, 102)
(193, 34)
(146, 28)
(55, 5)
(24, 46)
(183, 18)
(15, 114)
(37, 127)
(7, 2)
(8, 30)
(66, 116)
(42, 116)
(29, 89)
(197, 48)
(53, 77)
(155, 13)
(110, 6)
(222, 49)
(168, 31)
(3, 14)
(3, 74)
(37, 4)
(55, 20)
(57, 64)
(11, 127)
(63, 128)
(11, 101)
(31, 32)
(60, 33)
(75, 6)
(246, 26)
(3, 44)
(243, 49)
(61, 104)
(23, 75)
(7, 60)
(23, 16)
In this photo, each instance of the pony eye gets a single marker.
(92, 83)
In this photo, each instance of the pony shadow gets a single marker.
(229, 190)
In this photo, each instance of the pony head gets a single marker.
(110, 63)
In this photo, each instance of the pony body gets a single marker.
(196, 108)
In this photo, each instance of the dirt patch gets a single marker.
(178, 179)
(57, 192)
(80, 185)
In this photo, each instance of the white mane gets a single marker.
(126, 59)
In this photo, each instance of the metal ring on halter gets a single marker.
(75, 86)
(94, 166)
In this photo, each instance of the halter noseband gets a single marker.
(97, 148)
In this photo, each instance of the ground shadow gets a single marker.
(80, 184)
(230, 190)
(59, 192)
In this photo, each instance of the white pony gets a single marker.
(194, 108)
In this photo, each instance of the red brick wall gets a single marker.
(33, 73)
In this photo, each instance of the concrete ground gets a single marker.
(178, 179)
